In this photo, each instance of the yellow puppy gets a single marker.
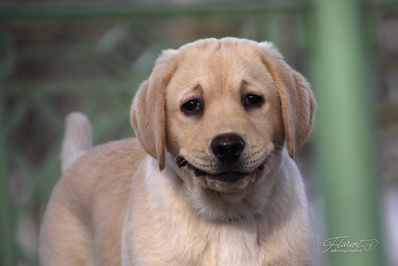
(208, 181)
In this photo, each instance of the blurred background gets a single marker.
(90, 56)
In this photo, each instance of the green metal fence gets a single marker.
(335, 36)
(346, 139)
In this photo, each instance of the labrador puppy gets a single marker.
(209, 180)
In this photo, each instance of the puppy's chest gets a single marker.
(196, 244)
(230, 244)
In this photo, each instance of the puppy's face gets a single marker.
(224, 109)
(224, 124)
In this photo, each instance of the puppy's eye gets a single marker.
(252, 100)
(192, 107)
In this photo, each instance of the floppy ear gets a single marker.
(297, 100)
(148, 115)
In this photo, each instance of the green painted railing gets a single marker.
(331, 35)
(60, 11)
(346, 144)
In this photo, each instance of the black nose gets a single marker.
(227, 147)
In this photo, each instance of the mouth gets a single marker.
(226, 177)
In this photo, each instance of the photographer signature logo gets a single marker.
(344, 244)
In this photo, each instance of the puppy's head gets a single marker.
(223, 110)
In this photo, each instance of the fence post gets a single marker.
(345, 130)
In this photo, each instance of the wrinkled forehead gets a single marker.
(223, 64)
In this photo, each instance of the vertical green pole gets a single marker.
(345, 130)
(6, 229)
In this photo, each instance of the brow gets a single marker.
(197, 88)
